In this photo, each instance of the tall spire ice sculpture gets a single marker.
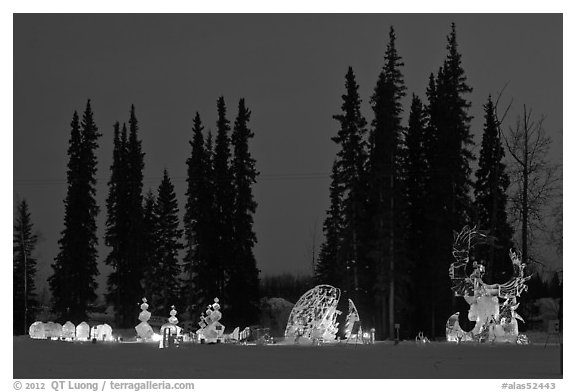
(211, 330)
(492, 307)
(144, 330)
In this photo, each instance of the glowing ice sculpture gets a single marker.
(144, 330)
(69, 331)
(211, 330)
(170, 329)
(353, 318)
(102, 332)
(37, 331)
(53, 330)
(492, 321)
(82, 331)
(314, 315)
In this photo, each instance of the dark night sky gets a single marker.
(290, 69)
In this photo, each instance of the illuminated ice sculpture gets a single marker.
(492, 314)
(211, 330)
(170, 331)
(53, 330)
(82, 331)
(144, 330)
(37, 330)
(69, 331)
(101, 332)
(314, 315)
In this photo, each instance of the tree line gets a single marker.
(143, 232)
(398, 193)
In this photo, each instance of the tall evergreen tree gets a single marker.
(244, 283)
(206, 274)
(115, 190)
(415, 173)
(117, 221)
(23, 270)
(223, 203)
(197, 223)
(490, 200)
(149, 244)
(330, 268)
(125, 224)
(135, 234)
(344, 226)
(73, 282)
(165, 290)
(385, 183)
(448, 142)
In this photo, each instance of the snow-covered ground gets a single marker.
(55, 359)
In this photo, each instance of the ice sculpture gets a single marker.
(53, 330)
(492, 314)
(69, 331)
(314, 315)
(102, 332)
(170, 329)
(353, 329)
(144, 330)
(37, 331)
(82, 331)
(211, 330)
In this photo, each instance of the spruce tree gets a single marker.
(116, 221)
(207, 273)
(415, 173)
(149, 244)
(448, 143)
(23, 270)
(351, 161)
(135, 170)
(73, 283)
(125, 224)
(197, 223)
(165, 290)
(243, 286)
(330, 268)
(385, 183)
(113, 208)
(223, 204)
(490, 200)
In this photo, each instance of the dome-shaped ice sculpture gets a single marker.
(82, 331)
(53, 330)
(37, 331)
(314, 315)
(69, 330)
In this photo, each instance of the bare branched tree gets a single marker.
(556, 232)
(535, 177)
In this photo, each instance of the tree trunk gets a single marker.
(391, 277)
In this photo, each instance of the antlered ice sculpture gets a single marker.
(492, 315)
(314, 315)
